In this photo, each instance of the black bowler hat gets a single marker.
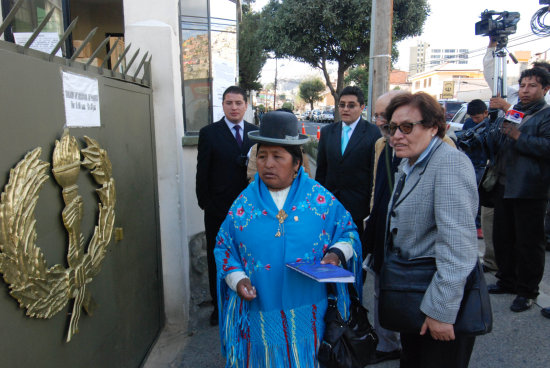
(278, 127)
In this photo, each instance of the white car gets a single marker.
(457, 121)
(327, 117)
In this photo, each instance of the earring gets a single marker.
(295, 175)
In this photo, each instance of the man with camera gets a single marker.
(499, 102)
(221, 172)
(520, 145)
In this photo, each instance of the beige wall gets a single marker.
(432, 82)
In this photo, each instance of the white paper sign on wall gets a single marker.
(81, 96)
(45, 41)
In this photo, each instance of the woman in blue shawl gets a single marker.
(270, 315)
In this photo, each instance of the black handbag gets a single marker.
(346, 344)
(403, 284)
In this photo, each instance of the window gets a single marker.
(208, 57)
(417, 84)
(29, 16)
(195, 59)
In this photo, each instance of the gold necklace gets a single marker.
(281, 216)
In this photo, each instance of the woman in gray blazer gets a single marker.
(432, 214)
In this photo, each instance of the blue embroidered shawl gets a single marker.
(283, 326)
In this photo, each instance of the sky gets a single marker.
(450, 24)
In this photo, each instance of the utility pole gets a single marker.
(275, 85)
(380, 50)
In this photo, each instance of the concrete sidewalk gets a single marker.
(518, 339)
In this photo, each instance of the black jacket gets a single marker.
(348, 177)
(526, 161)
(221, 167)
(374, 236)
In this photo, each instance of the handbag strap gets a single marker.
(332, 293)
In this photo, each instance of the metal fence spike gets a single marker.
(64, 37)
(99, 48)
(121, 57)
(86, 40)
(130, 63)
(108, 56)
(141, 64)
(39, 28)
(11, 16)
(147, 71)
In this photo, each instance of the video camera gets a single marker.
(503, 25)
(468, 140)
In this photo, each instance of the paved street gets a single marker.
(518, 339)
(311, 127)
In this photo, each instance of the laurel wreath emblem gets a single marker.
(41, 290)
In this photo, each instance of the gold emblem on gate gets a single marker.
(41, 290)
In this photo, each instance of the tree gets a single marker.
(252, 56)
(288, 105)
(310, 90)
(360, 77)
(320, 31)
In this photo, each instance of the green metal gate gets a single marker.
(113, 270)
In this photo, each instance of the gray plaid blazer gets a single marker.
(434, 217)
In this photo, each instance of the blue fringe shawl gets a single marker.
(284, 325)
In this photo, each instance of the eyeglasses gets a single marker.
(405, 128)
(349, 105)
(377, 117)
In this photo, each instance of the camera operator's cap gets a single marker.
(279, 127)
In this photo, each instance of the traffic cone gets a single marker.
(318, 132)
(303, 129)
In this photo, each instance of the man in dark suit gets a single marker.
(221, 172)
(345, 156)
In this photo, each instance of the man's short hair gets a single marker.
(542, 64)
(235, 90)
(542, 76)
(476, 107)
(355, 91)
